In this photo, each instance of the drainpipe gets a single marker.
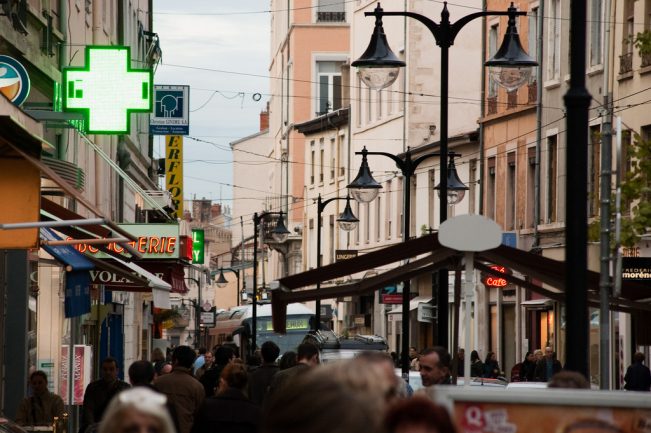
(539, 86)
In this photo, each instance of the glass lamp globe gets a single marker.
(510, 78)
(378, 78)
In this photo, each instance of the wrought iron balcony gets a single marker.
(331, 17)
(625, 63)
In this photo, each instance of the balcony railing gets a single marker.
(646, 60)
(625, 63)
(330, 17)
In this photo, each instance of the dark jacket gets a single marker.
(284, 377)
(638, 377)
(229, 411)
(259, 381)
(491, 369)
(96, 398)
(540, 374)
(528, 371)
(477, 369)
(210, 379)
(184, 392)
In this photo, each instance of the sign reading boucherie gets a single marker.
(155, 241)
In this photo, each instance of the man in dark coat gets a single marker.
(638, 376)
(210, 379)
(100, 392)
(307, 356)
(260, 378)
(229, 410)
(547, 367)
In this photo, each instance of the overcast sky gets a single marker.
(232, 39)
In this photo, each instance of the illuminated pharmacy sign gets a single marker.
(107, 90)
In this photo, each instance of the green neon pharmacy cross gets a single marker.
(107, 90)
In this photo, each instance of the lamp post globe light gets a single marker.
(456, 188)
(379, 57)
(347, 221)
(280, 235)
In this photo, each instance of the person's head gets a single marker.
(209, 358)
(234, 375)
(529, 357)
(413, 353)
(537, 355)
(307, 353)
(351, 394)
(569, 379)
(109, 369)
(202, 351)
(137, 410)
(434, 365)
(638, 358)
(549, 353)
(418, 415)
(183, 356)
(269, 352)
(490, 357)
(224, 355)
(461, 353)
(157, 355)
(166, 369)
(383, 363)
(38, 382)
(474, 356)
(287, 360)
(141, 373)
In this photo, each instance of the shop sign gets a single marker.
(80, 376)
(155, 241)
(391, 295)
(174, 172)
(490, 280)
(14, 81)
(197, 246)
(107, 90)
(207, 319)
(171, 114)
(636, 268)
(345, 255)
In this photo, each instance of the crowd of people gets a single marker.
(217, 392)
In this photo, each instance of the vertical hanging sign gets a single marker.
(197, 246)
(174, 172)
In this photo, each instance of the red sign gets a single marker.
(391, 299)
(493, 281)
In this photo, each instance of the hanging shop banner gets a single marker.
(77, 296)
(171, 114)
(636, 268)
(155, 242)
(80, 376)
(197, 246)
(107, 90)
(174, 172)
(14, 81)
(170, 272)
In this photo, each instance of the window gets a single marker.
(432, 204)
(552, 144)
(321, 160)
(331, 239)
(594, 164)
(369, 105)
(629, 26)
(359, 101)
(533, 34)
(379, 104)
(554, 40)
(359, 226)
(399, 207)
(510, 192)
(492, 49)
(412, 211)
(367, 219)
(342, 156)
(388, 208)
(531, 190)
(312, 162)
(330, 11)
(333, 159)
(490, 189)
(329, 86)
(472, 185)
(596, 31)
(378, 217)
(626, 166)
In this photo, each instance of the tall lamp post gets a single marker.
(379, 68)
(364, 189)
(280, 235)
(221, 281)
(347, 222)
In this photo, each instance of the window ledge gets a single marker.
(645, 70)
(595, 70)
(625, 76)
(552, 84)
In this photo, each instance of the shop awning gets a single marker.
(160, 289)
(66, 254)
(548, 271)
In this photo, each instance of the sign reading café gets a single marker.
(155, 241)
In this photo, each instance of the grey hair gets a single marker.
(141, 399)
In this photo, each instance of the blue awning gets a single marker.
(65, 253)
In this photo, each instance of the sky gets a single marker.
(231, 40)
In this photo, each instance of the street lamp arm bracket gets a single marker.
(399, 162)
(324, 203)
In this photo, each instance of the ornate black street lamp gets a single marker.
(378, 66)
(221, 281)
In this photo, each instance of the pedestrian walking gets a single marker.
(638, 377)
(307, 356)
(200, 360)
(43, 405)
(261, 377)
(99, 393)
(491, 366)
(435, 366)
(287, 360)
(547, 366)
(208, 363)
(229, 410)
(210, 379)
(137, 410)
(476, 366)
(182, 389)
(528, 369)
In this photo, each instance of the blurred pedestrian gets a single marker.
(638, 376)
(568, 379)
(418, 415)
(528, 369)
(141, 374)
(547, 366)
(461, 354)
(41, 408)
(229, 410)
(210, 379)
(209, 359)
(345, 396)
(435, 366)
(491, 366)
(261, 377)
(200, 360)
(182, 389)
(137, 410)
(99, 393)
(537, 355)
(476, 366)
(383, 362)
(413, 359)
(307, 357)
(287, 360)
